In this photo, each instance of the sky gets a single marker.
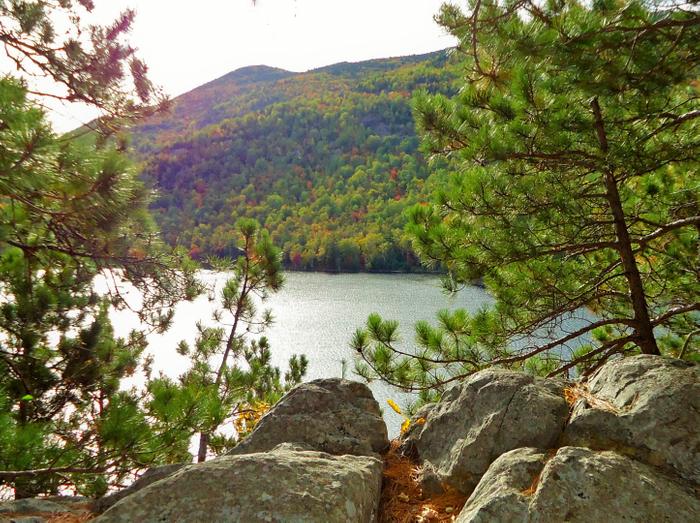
(188, 43)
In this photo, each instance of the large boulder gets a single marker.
(287, 484)
(150, 476)
(502, 493)
(488, 414)
(647, 407)
(577, 485)
(330, 415)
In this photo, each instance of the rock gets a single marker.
(577, 485)
(282, 485)
(501, 495)
(647, 407)
(150, 476)
(31, 505)
(39, 510)
(488, 414)
(331, 415)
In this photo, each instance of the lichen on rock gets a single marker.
(577, 485)
(654, 413)
(488, 414)
(286, 484)
(331, 415)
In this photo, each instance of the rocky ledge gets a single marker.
(622, 446)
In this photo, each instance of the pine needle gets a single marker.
(402, 499)
(580, 391)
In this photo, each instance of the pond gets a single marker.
(316, 314)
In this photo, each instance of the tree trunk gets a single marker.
(643, 328)
(203, 444)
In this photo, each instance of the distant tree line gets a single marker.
(327, 161)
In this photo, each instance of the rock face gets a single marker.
(312, 458)
(502, 492)
(41, 510)
(150, 476)
(487, 415)
(331, 415)
(287, 484)
(577, 485)
(627, 450)
(649, 409)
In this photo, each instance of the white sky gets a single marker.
(187, 43)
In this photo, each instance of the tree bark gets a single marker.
(644, 330)
(203, 444)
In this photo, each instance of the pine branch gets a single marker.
(14, 474)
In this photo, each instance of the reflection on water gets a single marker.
(316, 314)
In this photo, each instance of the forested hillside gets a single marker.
(327, 160)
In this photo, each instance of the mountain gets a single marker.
(327, 160)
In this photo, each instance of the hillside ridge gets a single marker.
(328, 160)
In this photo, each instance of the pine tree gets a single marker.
(573, 148)
(70, 212)
(232, 378)
(85, 62)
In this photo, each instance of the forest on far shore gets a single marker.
(327, 161)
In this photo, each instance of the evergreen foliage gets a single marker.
(573, 156)
(71, 213)
(86, 63)
(244, 383)
(68, 214)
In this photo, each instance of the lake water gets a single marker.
(316, 314)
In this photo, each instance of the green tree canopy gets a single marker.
(231, 374)
(573, 150)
